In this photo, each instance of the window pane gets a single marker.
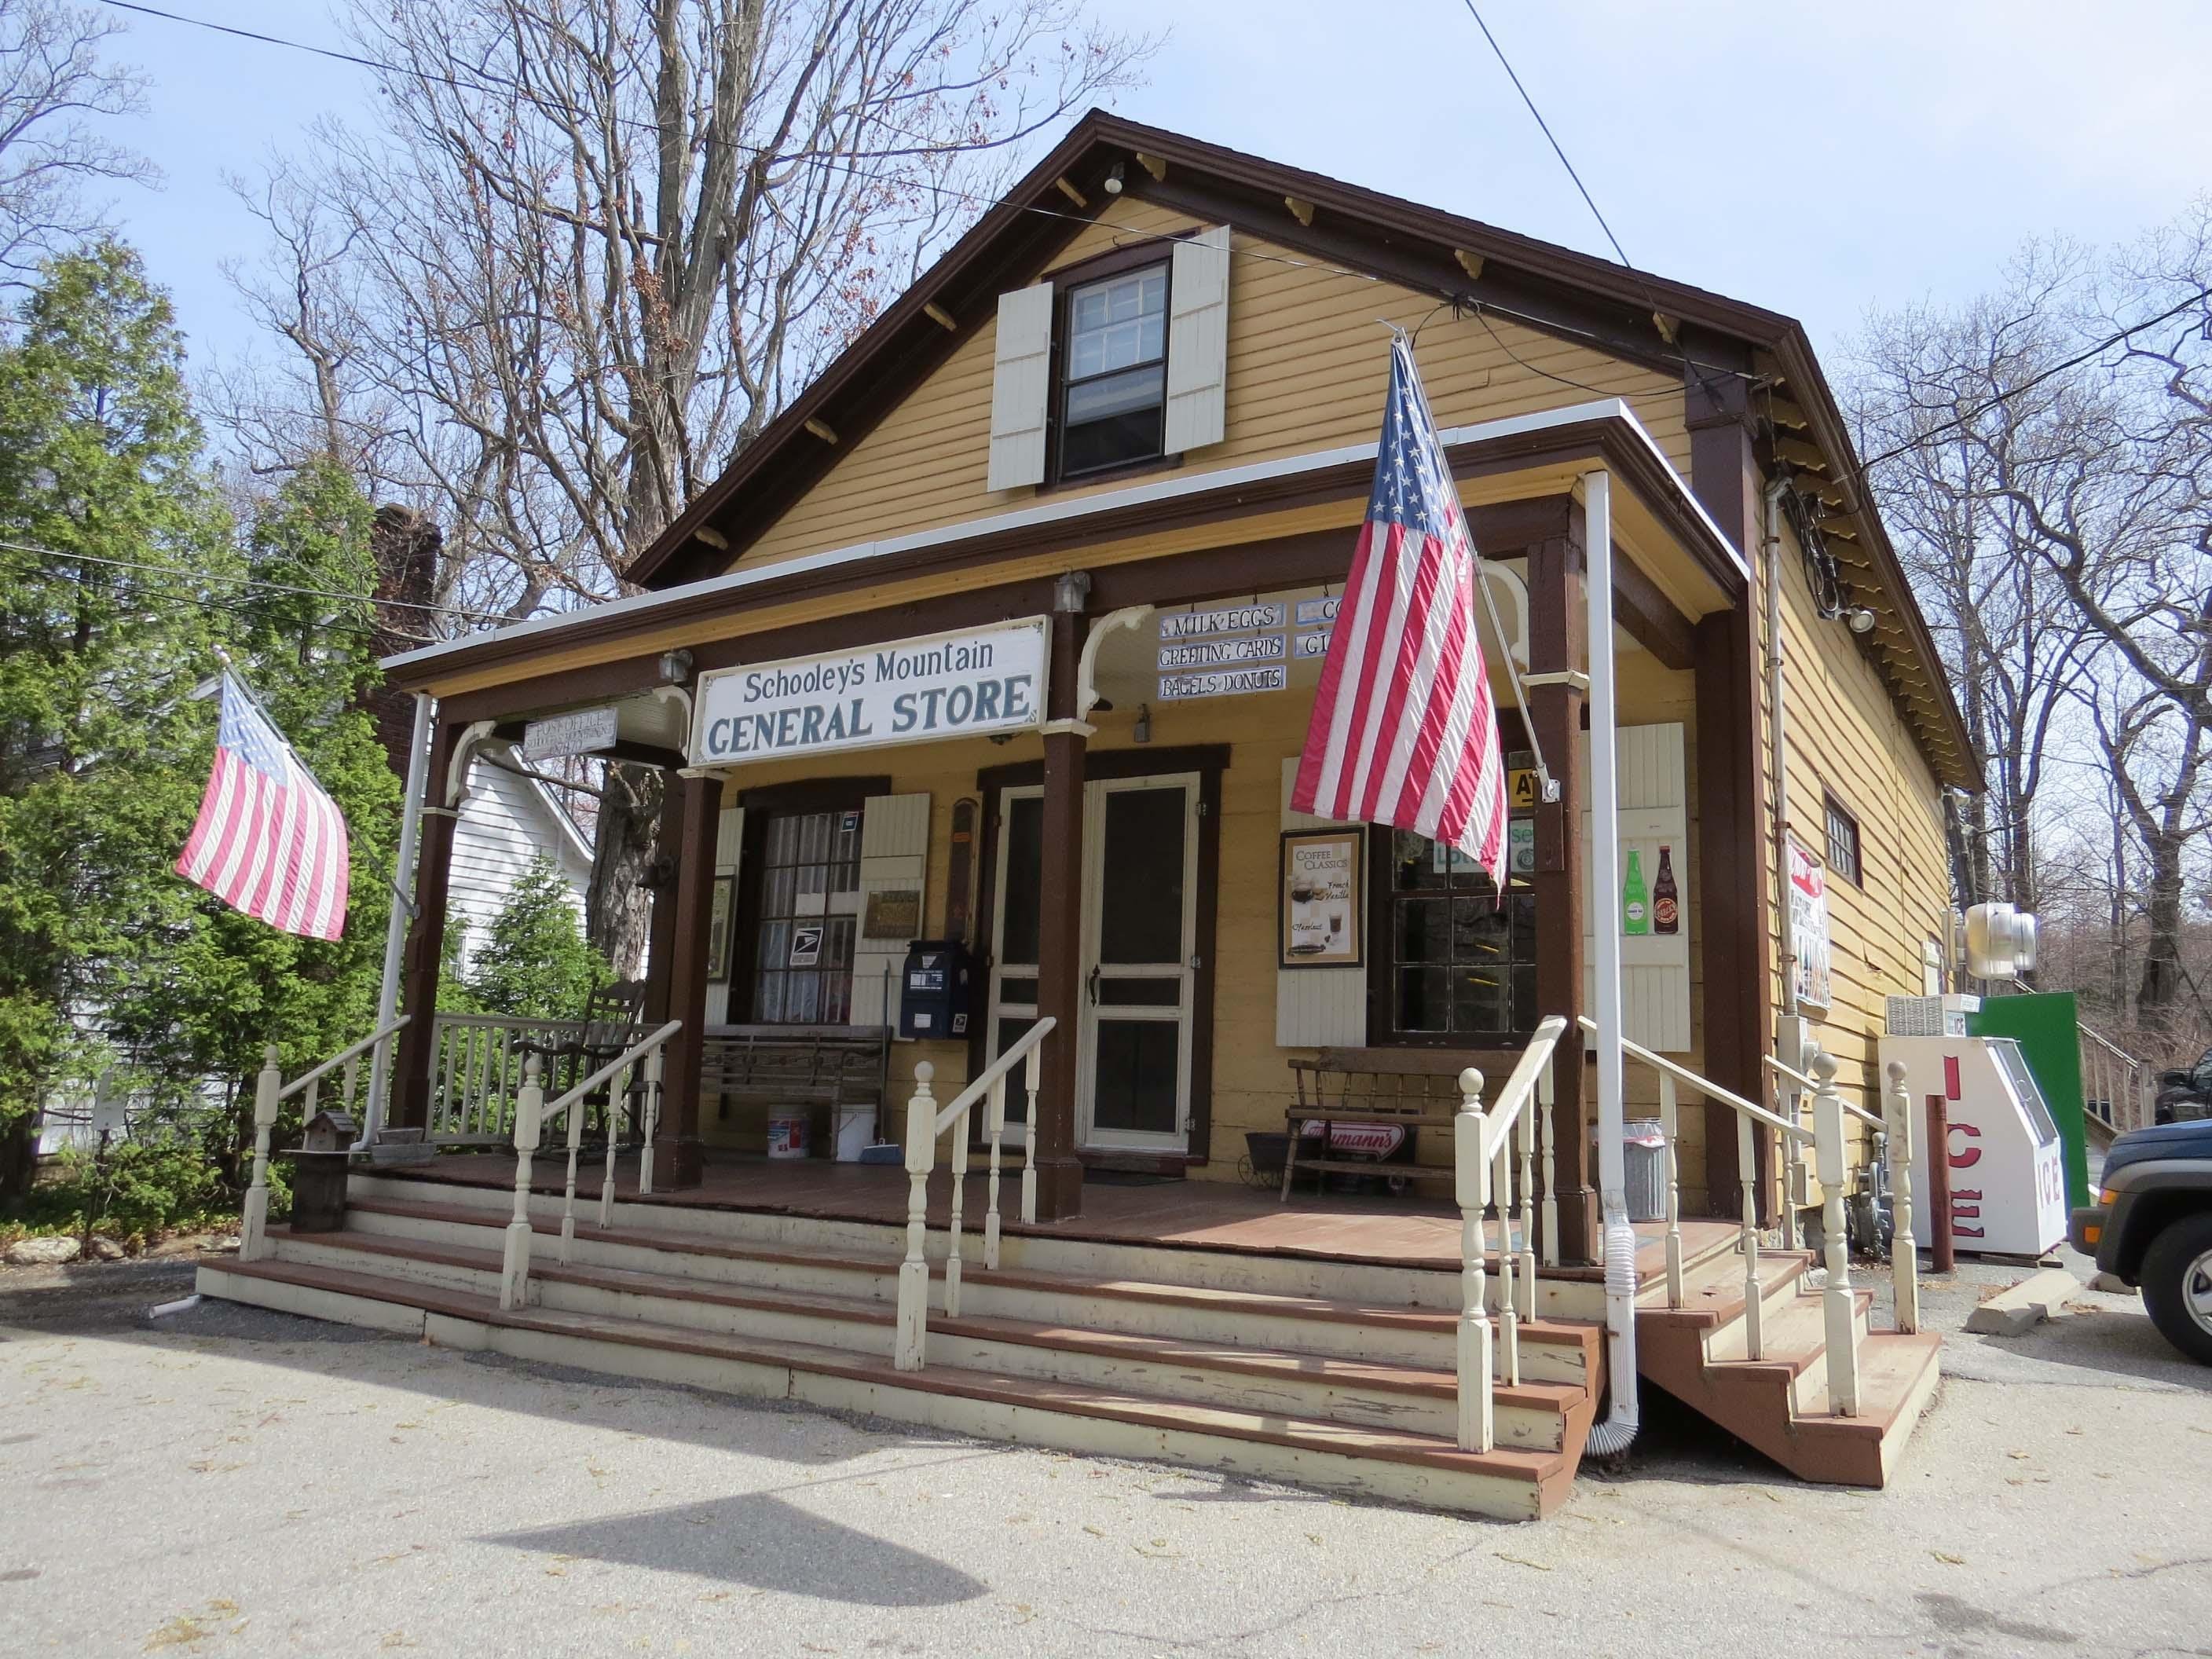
(1135, 1085)
(1422, 931)
(1024, 878)
(1141, 920)
(1117, 394)
(1115, 323)
(1421, 1003)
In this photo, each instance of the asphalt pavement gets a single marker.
(228, 1482)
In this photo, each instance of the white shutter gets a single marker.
(1316, 1007)
(1021, 387)
(729, 844)
(1198, 341)
(1653, 813)
(894, 854)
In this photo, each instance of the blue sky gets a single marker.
(1816, 160)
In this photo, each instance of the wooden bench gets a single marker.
(822, 1067)
(1403, 1088)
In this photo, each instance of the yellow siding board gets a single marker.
(1306, 370)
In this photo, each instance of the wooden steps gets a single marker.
(1779, 1402)
(1513, 1481)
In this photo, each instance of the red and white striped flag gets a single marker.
(1404, 732)
(269, 842)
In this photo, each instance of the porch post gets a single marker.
(1059, 940)
(426, 943)
(1557, 633)
(1734, 863)
(698, 808)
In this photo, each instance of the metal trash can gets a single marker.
(1643, 1147)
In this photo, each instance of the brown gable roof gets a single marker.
(1607, 305)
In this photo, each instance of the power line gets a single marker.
(2033, 381)
(946, 192)
(253, 581)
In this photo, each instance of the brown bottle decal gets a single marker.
(1666, 904)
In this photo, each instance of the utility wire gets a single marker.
(178, 572)
(943, 191)
(2035, 380)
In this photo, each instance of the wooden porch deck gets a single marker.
(1406, 1231)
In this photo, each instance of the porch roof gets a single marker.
(1519, 457)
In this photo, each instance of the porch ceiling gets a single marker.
(1003, 566)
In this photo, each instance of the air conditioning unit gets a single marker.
(1930, 1016)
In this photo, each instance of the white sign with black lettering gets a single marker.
(1311, 647)
(1316, 613)
(1224, 653)
(1222, 683)
(1225, 619)
(947, 685)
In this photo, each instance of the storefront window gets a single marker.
(809, 876)
(1455, 962)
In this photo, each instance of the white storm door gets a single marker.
(1139, 934)
(1016, 898)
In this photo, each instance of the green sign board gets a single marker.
(2043, 1021)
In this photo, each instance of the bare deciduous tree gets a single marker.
(53, 84)
(597, 244)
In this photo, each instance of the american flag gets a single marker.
(1403, 730)
(269, 842)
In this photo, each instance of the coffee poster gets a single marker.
(1321, 899)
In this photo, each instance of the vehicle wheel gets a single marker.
(2177, 1286)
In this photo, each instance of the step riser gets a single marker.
(408, 1270)
(1727, 1340)
(1270, 1275)
(828, 1331)
(1518, 1426)
(1808, 1389)
(1464, 1493)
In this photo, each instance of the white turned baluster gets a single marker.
(346, 1080)
(254, 1227)
(514, 1271)
(1669, 1124)
(1786, 1102)
(959, 1194)
(568, 1200)
(994, 1125)
(1838, 1315)
(652, 1126)
(1471, 1181)
(607, 1171)
(1746, 1161)
(1524, 1130)
(1030, 1068)
(914, 1271)
(1509, 1307)
(1546, 1129)
(1904, 1261)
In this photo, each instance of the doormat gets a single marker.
(1128, 1178)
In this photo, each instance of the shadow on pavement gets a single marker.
(757, 1540)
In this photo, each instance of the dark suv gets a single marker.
(2152, 1227)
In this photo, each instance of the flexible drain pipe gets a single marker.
(1622, 1419)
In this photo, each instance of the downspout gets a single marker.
(402, 911)
(1612, 1437)
(1777, 742)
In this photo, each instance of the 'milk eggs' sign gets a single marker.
(949, 685)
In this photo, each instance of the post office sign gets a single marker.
(587, 732)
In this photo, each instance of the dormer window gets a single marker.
(1114, 394)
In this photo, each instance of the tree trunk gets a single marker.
(618, 909)
(19, 1159)
(2160, 988)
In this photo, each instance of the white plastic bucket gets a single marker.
(855, 1129)
(787, 1134)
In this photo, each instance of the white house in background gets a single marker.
(506, 821)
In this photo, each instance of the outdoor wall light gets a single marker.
(674, 667)
(1862, 620)
(1114, 180)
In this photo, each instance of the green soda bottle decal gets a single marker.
(1635, 902)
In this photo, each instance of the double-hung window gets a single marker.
(1113, 383)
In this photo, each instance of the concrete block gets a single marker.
(2034, 1299)
(2113, 1283)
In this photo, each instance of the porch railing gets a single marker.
(2114, 1082)
(1489, 1149)
(270, 1091)
(533, 1113)
(925, 1122)
(476, 1073)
